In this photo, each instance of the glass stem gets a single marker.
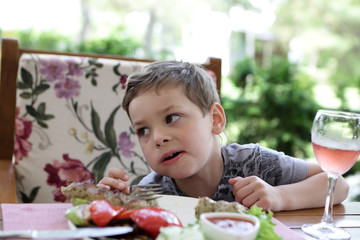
(328, 210)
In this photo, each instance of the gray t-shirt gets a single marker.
(273, 167)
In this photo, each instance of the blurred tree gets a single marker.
(225, 6)
(160, 23)
(160, 32)
(119, 42)
(46, 40)
(326, 36)
(85, 23)
(275, 106)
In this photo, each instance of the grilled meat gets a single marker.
(89, 191)
(206, 204)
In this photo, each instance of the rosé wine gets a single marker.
(336, 161)
(335, 136)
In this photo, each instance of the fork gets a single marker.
(146, 192)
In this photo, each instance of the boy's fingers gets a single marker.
(124, 187)
(114, 184)
(100, 185)
(118, 174)
(232, 181)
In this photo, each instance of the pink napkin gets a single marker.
(47, 216)
(285, 232)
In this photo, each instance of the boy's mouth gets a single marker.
(171, 156)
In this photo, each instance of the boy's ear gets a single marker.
(218, 118)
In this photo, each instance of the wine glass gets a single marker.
(335, 137)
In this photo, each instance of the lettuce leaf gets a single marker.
(267, 227)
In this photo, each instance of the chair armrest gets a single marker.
(7, 182)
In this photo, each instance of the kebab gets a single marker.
(87, 191)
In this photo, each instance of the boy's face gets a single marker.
(175, 136)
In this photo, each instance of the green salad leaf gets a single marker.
(267, 227)
(190, 232)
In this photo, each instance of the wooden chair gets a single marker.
(15, 77)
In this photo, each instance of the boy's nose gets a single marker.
(160, 137)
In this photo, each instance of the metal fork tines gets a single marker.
(146, 192)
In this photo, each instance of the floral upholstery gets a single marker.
(70, 125)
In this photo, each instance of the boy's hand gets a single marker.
(252, 190)
(115, 181)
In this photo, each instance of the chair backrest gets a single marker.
(65, 111)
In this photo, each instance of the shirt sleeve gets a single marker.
(291, 169)
(272, 166)
(148, 179)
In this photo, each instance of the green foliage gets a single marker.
(117, 43)
(46, 40)
(275, 106)
(329, 43)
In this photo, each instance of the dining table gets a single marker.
(345, 215)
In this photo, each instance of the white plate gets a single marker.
(183, 207)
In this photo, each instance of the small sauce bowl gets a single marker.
(229, 226)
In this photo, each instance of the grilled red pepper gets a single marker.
(102, 212)
(125, 214)
(151, 219)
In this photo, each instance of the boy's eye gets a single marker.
(142, 131)
(172, 118)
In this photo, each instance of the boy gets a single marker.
(176, 113)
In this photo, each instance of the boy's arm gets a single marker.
(309, 193)
(312, 191)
